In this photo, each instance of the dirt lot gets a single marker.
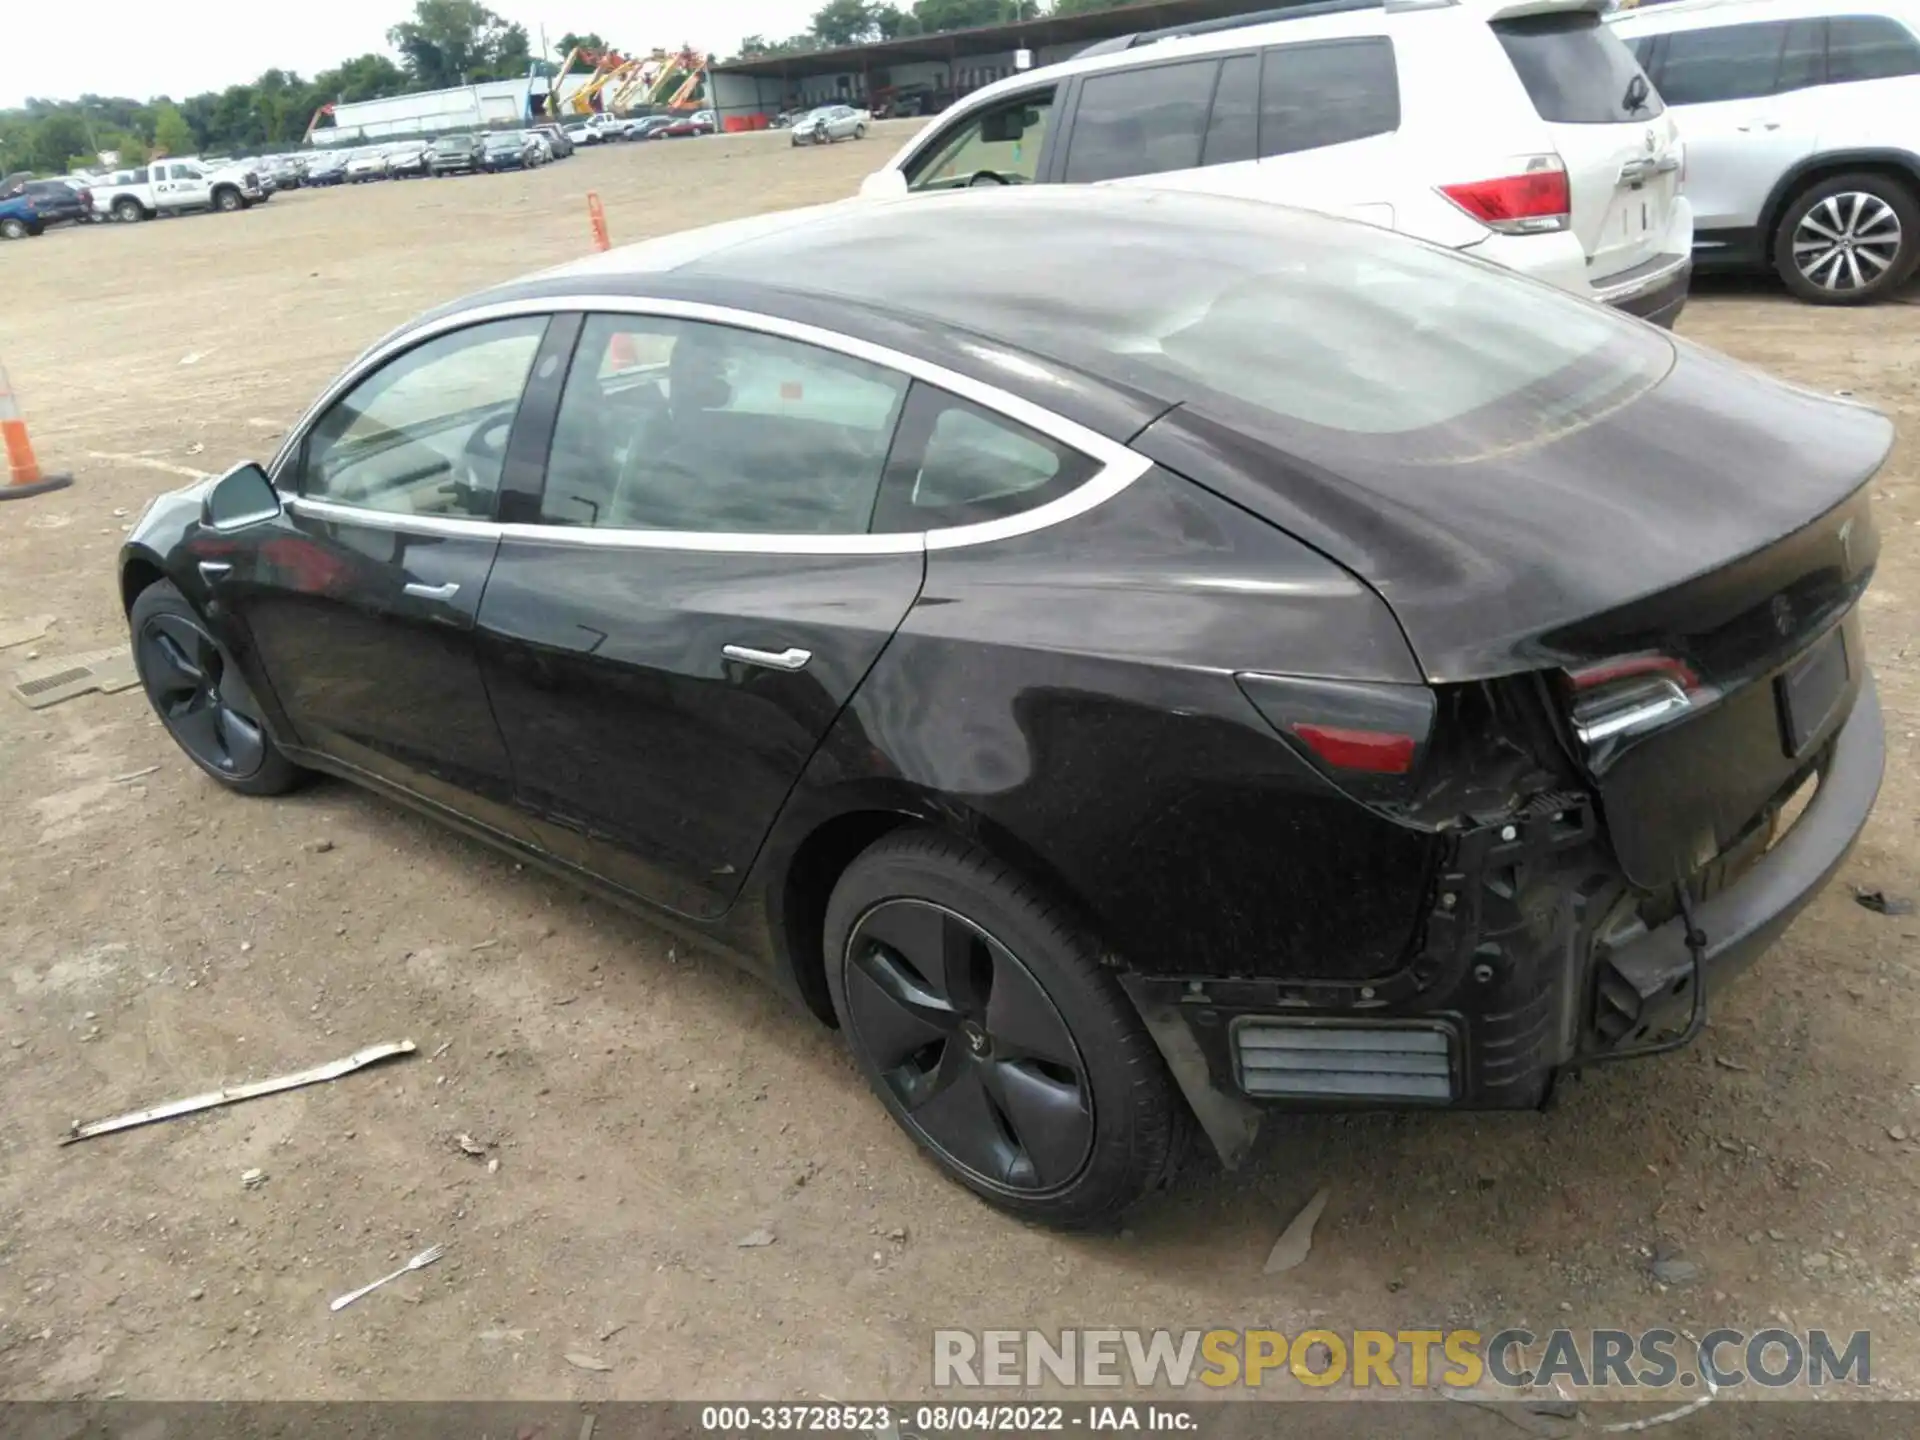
(648, 1107)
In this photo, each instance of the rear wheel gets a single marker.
(201, 697)
(859, 132)
(984, 1020)
(127, 210)
(1848, 240)
(13, 229)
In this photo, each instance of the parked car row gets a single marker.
(1545, 135)
(606, 129)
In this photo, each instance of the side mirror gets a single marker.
(242, 496)
(883, 184)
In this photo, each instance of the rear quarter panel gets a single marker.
(1066, 699)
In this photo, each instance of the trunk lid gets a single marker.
(1621, 150)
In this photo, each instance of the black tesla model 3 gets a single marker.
(1128, 660)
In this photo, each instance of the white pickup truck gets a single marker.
(170, 186)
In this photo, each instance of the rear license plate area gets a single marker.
(1810, 690)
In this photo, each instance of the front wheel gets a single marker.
(983, 1018)
(127, 210)
(202, 698)
(1848, 240)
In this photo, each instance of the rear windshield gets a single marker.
(1577, 71)
(1277, 319)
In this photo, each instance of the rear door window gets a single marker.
(1313, 95)
(1727, 62)
(1141, 122)
(1576, 70)
(1869, 47)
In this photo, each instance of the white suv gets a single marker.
(1522, 132)
(1802, 123)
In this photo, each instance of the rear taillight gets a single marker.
(1534, 200)
(1371, 752)
(1631, 694)
(1368, 739)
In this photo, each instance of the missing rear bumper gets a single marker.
(1504, 1005)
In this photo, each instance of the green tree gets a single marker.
(171, 133)
(845, 22)
(893, 22)
(130, 147)
(57, 138)
(570, 42)
(936, 16)
(1084, 7)
(754, 46)
(450, 42)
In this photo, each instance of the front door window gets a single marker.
(999, 145)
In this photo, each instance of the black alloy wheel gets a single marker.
(979, 1059)
(202, 698)
(991, 1026)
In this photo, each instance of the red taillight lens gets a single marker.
(1371, 752)
(1634, 667)
(1536, 200)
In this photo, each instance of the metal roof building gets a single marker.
(939, 67)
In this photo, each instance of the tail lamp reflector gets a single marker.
(1372, 752)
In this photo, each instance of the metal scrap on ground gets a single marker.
(48, 682)
(419, 1262)
(1297, 1239)
(333, 1070)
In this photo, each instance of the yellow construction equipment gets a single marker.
(606, 65)
(635, 88)
(680, 78)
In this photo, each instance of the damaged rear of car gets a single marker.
(1546, 620)
(1629, 571)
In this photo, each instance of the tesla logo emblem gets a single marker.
(1782, 615)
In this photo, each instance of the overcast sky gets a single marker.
(143, 48)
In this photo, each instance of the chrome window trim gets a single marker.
(1119, 466)
(333, 511)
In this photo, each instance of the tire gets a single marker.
(201, 697)
(1070, 1124)
(1877, 213)
(859, 132)
(128, 211)
(226, 201)
(14, 229)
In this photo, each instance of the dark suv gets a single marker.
(58, 202)
(454, 153)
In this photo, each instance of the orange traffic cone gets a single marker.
(24, 477)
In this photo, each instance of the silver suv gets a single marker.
(1801, 120)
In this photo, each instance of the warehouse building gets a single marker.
(926, 73)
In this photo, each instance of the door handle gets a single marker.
(431, 592)
(792, 658)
